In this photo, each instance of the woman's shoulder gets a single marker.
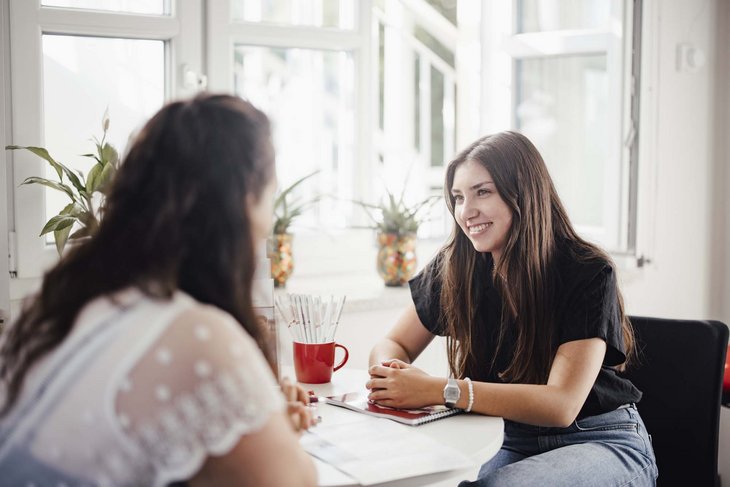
(579, 262)
(207, 325)
(582, 271)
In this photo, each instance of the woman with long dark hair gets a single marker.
(140, 360)
(535, 329)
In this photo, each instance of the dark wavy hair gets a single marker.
(525, 275)
(175, 219)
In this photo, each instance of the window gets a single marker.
(309, 95)
(77, 92)
(70, 61)
(564, 69)
(374, 93)
(301, 62)
(416, 47)
(315, 13)
(154, 7)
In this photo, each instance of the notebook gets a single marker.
(358, 401)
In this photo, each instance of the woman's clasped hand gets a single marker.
(395, 383)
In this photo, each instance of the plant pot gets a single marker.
(396, 258)
(282, 261)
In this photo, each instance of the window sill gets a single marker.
(365, 291)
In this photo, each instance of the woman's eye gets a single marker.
(458, 198)
(482, 192)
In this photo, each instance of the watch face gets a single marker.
(451, 393)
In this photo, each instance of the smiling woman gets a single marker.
(533, 314)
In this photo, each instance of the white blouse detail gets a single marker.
(140, 393)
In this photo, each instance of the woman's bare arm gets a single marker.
(270, 456)
(405, 341)
(556, 403)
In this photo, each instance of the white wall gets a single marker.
(683, 223)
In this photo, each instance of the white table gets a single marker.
(479, 437)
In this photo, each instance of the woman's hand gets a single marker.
(397, 384)
(298, 410)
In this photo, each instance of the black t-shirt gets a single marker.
(586, 307)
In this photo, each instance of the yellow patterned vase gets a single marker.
(396, 258)
(282, 261)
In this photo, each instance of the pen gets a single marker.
(313, 398)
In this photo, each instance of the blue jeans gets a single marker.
(610, 449)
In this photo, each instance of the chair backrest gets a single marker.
(680, 372)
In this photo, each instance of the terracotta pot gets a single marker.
(282, 261)
(396, 258)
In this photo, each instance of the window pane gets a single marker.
(561, 106)
(158, 7)
(544, 15)
(82, 77)
(434, 45)
(314, 13)
(381, 76)
(309, 95)
(447, 8)
(417, 102)
(437, 117)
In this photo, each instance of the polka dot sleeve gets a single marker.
(200, 387)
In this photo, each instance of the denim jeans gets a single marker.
(610, 449)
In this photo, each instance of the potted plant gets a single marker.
(286, 209)
(397, 224)
(86, 193)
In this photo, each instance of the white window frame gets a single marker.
(395, 141)
(181, 31)
(223, 33)
(501, 47)
(484, 100)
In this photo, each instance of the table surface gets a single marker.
(478, 436)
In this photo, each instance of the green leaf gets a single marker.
(80, 233)
(73, 209)
(58, 222)
(109, 155)
(281, 199)
(286, 211)
(105, 178)
(42, 153)
(75, 180)
(92, 180)
(51, 184)
(92, 156)
(61, 236)
(395, 215)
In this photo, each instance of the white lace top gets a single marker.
(140, 393)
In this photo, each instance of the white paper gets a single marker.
(374, 450)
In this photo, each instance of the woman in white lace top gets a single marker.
(140, 361)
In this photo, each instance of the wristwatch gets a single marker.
(452, 393)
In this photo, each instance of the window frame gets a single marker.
(180, 30)
(503, 47)
(194, 33)
(223, 33)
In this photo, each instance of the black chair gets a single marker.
(680, 372)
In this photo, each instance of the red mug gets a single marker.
(315, 362)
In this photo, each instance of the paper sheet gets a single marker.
(374, 450)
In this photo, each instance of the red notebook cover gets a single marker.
(357, 401)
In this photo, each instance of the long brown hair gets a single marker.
(176, 218)
(525, 274)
